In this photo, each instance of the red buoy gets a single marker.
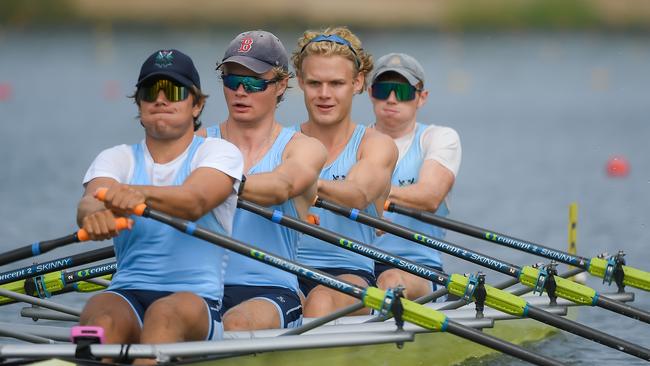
(111, 90)
(5, 91)
(618, 167)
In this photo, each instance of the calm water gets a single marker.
(538, 115)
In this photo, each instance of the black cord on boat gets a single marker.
(123, 357)
(398, 311)
(82, 352)
(550, 285)
(480, 294)
(619, 274)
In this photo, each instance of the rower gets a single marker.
(169, 285)
(429, 159)
(282, 168)
(331, 68)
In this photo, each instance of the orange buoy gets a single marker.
(618, 167)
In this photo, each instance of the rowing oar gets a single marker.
(371, 296)
(38, 248)
(59, 282)
(607, 269)
(56, 264)
(456, 284)
(537, 278)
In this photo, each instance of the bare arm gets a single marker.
(302, 162)
(433, 185)
(369, 178)
(203, 190)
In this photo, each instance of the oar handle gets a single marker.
(121, 223)
(100, 194)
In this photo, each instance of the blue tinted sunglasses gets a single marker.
(251, 84)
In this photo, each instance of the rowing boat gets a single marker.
(348, 334)
(313, 348)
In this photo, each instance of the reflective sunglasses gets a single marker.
(252, 84)
(173, 92)
(403, 92)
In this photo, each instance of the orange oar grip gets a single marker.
(100, 193)
(121, 223)
(387, 204)
(313, 219)
(139, 209)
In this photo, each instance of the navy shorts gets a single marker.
(140, 300)
(307, 285)
(286, 301)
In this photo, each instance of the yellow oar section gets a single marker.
(603, 268)
(58, 282)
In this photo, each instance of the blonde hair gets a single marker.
(362, 60)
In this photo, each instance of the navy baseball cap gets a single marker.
(173, 64)
(258, 51)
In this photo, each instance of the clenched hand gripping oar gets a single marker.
(537, 278)
(459, 285)
(608, 269)
(371, 296)
(38, 248)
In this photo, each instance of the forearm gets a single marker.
(344, 192)
(267, 189)
(416, 196)
(175, 201)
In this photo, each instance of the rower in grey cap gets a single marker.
(429, 159)
(281, 168)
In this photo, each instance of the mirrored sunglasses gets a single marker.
(251, 84)
(403, 92)
(173, 92)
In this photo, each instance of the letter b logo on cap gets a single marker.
(246, 44)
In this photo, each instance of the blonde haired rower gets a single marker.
(331, 67)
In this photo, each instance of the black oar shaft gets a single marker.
(408, 234)
(56, 265)
(258, 254)
(348, 243)
(511, 349)
(336, 284)
(463, 253)
(493, 236)
(589, 333)
(36, 249)
(622, 308)
(438, 277)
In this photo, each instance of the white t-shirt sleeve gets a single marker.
(442, 144)
(115, 162)
(221, 155)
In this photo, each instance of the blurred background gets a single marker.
(544, 94)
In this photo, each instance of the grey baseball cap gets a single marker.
(257, 50)
(402, 64)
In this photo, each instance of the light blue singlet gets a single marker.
(259, 231)
(316, 253)
(155, 256)
(407, 173)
